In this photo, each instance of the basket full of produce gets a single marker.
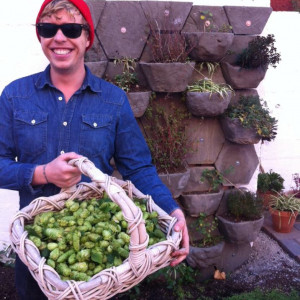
(94, 240)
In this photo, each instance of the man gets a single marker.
(49, 118)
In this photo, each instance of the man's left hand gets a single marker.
(180, 254)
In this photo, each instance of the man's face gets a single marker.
(66, 55)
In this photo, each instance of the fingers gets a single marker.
(181, 254)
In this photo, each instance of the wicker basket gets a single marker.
(141, 262)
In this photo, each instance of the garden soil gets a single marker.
(267, 268)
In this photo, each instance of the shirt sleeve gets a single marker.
(133, 160)
(13, 174)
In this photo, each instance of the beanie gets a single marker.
(84, 10)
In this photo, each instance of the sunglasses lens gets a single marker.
(70, 30)
(47, 30)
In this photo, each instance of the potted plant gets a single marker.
(169, 69)
(205, 97)
(164, 127)
(296, 185)
(269, 184)
(243, 219)
(252, 63)
(209, 38)
(284, 210)
(248, 121)
(138, 95)
(206, 251)
(208, 200)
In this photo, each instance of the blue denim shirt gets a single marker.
(36, 125)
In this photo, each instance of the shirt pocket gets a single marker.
(95, 134)
(31, 131)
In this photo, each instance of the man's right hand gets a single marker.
(58, 172)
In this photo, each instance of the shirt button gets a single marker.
(32, 122)
(60, 98)
(95, 124)
(62, 152)
(65, 123)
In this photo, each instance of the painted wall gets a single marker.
(20, 55)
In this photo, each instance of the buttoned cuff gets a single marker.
(25, 176)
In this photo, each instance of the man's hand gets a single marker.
(58, 172)
(182, 253)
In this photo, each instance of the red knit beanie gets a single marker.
(85, 11)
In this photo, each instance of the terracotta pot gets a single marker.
(176, 182)
(236, 133)
(167, 77)
(240, 232)
(267, 196)
(206, 104)
(241, 78)
(208, 46)
(283, 221)
(139, 102)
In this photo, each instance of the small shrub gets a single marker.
(271, 181)
(244, 205)
(214, 178)
(261, 52)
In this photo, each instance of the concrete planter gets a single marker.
(208, 46)
(241, 78)
(176, 182)
(206, 104)
(167, 77)
(207, 203)
(203, 258)
(236, 133)
(240, 232)
(97, 67)
(139, 102)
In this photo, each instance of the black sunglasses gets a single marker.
(70, 30)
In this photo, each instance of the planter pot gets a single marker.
(206, 104)
(97, 67)
(167, 77)
(208, 46)
(267, 196)
(236, 133)
(203, 258)
(139, 102)
(283, 221)
(241, 78)
(176, 182)
(208, 203)
(240, 232)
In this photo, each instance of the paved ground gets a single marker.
(290, 242)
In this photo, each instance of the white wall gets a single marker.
(20, 55)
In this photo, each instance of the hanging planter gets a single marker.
(208, 46)
(139, 102)
(241, 78)
(236, 133)
(167, 77)
(207, 104)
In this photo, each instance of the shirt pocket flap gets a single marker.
(31, 117)
(97, 121)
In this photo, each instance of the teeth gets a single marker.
(61, 51)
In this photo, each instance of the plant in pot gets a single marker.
(206, 251)
(284, 210)
(248, 121)
(243, 218)
(269, 184)
(252, 63)
(169, 69)
(206, 98)
(138, 95)
(210, 40)
(296, 185)
(164, 127)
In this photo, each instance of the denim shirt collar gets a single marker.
(90, 81)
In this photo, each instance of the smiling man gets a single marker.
(64, 112)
